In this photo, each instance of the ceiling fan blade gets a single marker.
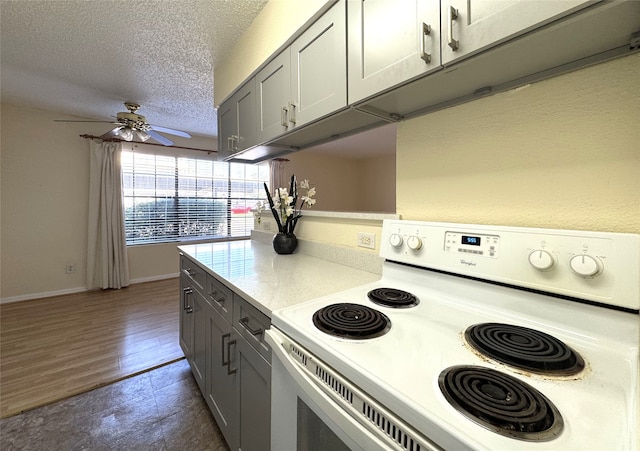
(170, 131)
(161, 139)
(103, 122)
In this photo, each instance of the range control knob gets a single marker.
(414, 242)
(585, 265)
(541, 260)
(395, 240)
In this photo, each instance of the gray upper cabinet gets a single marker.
(319, 68)
(390, 42)
(273, 83)
(414, 57)
(470, 26)
(237, 121)
(307, 80)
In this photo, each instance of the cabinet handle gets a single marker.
(292, 113)
(230, 144)
(228, 361)
(453, 15)
(224, 361)
(185, 297)
(213, 295)
(283, 116)
(426, 31)
(245, 323)
(190, 272)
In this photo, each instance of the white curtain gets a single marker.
(276, 174)
(107, 265)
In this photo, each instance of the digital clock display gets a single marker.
(471, 240)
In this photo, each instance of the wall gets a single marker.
(562, 153)
(45, 169)
(269, 32)
(346, 184)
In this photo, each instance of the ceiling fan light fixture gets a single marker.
(141, 136)
(125, 133)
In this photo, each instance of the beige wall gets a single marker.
(347, 184)
(273, 27)
(44, 183)
(562, 153)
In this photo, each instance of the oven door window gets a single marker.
(313, 434)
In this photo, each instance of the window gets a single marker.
(170, 198)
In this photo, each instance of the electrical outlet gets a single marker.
(367, 240)
(70, 268)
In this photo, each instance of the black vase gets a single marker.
(285, 243)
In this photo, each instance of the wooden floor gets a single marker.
(60, 346)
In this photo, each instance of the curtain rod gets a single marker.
(146, 144)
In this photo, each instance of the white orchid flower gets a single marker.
(304, 184)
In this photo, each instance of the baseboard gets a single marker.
(155, 278)
(49, 294)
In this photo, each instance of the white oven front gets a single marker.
(305, 416)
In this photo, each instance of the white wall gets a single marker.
(562, 153)
(44, 181)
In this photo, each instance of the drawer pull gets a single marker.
(190, 272)
(213, 295)
(245, 323)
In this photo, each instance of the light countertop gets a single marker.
(270, 281)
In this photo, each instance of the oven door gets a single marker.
(303, 417)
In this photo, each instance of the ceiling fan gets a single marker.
(130, 125)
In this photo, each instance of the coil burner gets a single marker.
(351, 321)
(524, 348)
(392, 297)
(501, 403)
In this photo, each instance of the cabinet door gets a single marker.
(227, 128)
(254, 392)
(272, 93)
(221, 377)
(391, 42)
(245, 100)
(319, 68)
(470, 26)
(201, 311)
(186, 317)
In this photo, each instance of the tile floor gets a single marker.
(157, 410)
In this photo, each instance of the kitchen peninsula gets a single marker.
(228, 291)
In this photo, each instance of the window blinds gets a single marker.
(169, 198)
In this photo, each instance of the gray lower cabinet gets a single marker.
(193, 306)
(186, 318)
(222, 336)
(254, 391)
(221, 385)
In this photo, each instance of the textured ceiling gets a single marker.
(85, 58)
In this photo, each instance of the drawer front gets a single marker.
(220, 297)
(194, 272)
(251, 324)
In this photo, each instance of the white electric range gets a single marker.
(475, 337)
